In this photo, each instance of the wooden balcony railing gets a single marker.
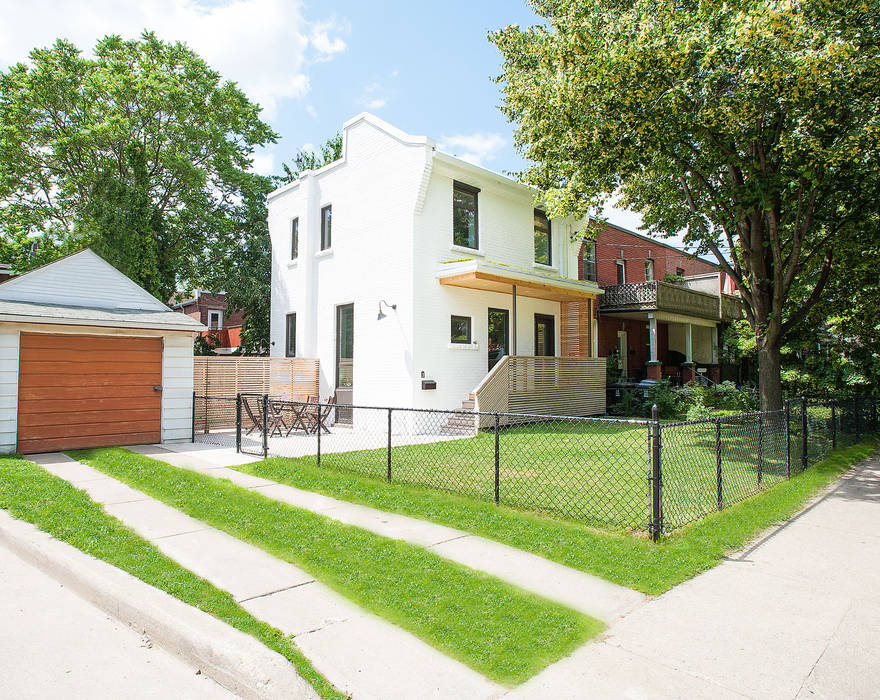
(568, 386)
(672, 298)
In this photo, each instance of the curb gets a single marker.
(233, 659)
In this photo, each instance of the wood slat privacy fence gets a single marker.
(565, 386)
(292, 378)
(575, 331)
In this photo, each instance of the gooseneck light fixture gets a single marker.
(390, 306)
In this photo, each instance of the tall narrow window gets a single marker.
(290, 341)
(621, 272)
(215, 320)
(464, 216)
(589, 257)
(326, 216)
(649, 270)
(294, 239)
(543, 240)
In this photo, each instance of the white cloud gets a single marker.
(373, 96)
(376, 103)
(312, 112)
(263, 45)
(263, 162)
(477, 148)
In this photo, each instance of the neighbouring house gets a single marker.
(88, 358)
(662, 310)
(211, 310)
(420, 280)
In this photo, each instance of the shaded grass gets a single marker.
(29, 493)
(497, 629)
(626, 560)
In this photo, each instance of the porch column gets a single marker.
(714, 345)
(513, 321)
(652, 370)
(688, 343)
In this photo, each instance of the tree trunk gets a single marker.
(769, 377)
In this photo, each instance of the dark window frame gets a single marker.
(542, 214)
(326, 227)
(550, 321)
(290, 325)
(470, 329)
(475, 191)
(294, 238)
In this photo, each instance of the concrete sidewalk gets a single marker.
(358, 652)
(796, 615)
(576, 589)
(55, 644)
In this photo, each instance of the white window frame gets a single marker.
(219, 315)
(621, 265)
(649, 268)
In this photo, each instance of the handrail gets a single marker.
(492, 372)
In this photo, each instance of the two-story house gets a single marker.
(421, 280)
(224, 324)
(662, 309)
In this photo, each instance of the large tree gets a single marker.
(141, 150)
(754, 126)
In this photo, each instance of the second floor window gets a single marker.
(589, 257)
(464, 216)
(294, 239)
(621, 272)
(215, 320)
(543, 240)
(326, 217)
(649, 270)
(290, 336)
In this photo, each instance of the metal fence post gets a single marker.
(805, 427)
(238, 422)
(497, 460)
(833, 426)
(718, 463)
(656, 525)
(265, 425)
(760, 447)
(788, 438)
(858, 418)
(194, 415)
(389, 445)
(318, 431)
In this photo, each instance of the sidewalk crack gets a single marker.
(280, 590)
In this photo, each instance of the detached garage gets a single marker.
(90, 359)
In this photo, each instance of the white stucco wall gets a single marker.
(177, 376)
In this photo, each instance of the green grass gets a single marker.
(630, 561)
(593, 472)
(497, 629)
(29, 493)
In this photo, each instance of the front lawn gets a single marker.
(629, 561)
(497, 629)
(29, 493)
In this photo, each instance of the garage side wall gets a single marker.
(8, 389)
(177, 387)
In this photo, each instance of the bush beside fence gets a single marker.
(641, 475)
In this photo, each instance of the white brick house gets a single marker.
(451, 245)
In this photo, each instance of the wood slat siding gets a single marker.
(79, 391)
(575, 327)
(563, 386)
(293, 378)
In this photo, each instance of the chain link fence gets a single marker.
(640, 475)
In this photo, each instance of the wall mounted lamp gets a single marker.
(381, 315)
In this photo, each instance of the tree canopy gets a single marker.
(752, 126)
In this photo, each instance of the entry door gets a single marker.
(545, 335)
(344, 360)
(622, 353)
(499, 335)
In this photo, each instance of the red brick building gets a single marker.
(223, 324)
(662, 308)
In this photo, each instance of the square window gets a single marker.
(290, 336)
(294, 239)
(464, 216)
(326, 218)
(461, 330)
(543, 240)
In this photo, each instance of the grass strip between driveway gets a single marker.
(29, 493)
(624, 559)
(500, 630)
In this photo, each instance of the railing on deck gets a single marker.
(673, 298)
(571, 386)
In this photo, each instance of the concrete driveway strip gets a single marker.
(796, 614)
(55, 644)
(575, 589)
(358, 652)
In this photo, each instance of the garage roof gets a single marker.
(84, 289)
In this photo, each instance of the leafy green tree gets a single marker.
(752, 126)
(331, 150)
(142, 151)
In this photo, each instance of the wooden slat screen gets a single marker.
(575, 327)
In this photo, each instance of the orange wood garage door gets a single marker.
(87, 391)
